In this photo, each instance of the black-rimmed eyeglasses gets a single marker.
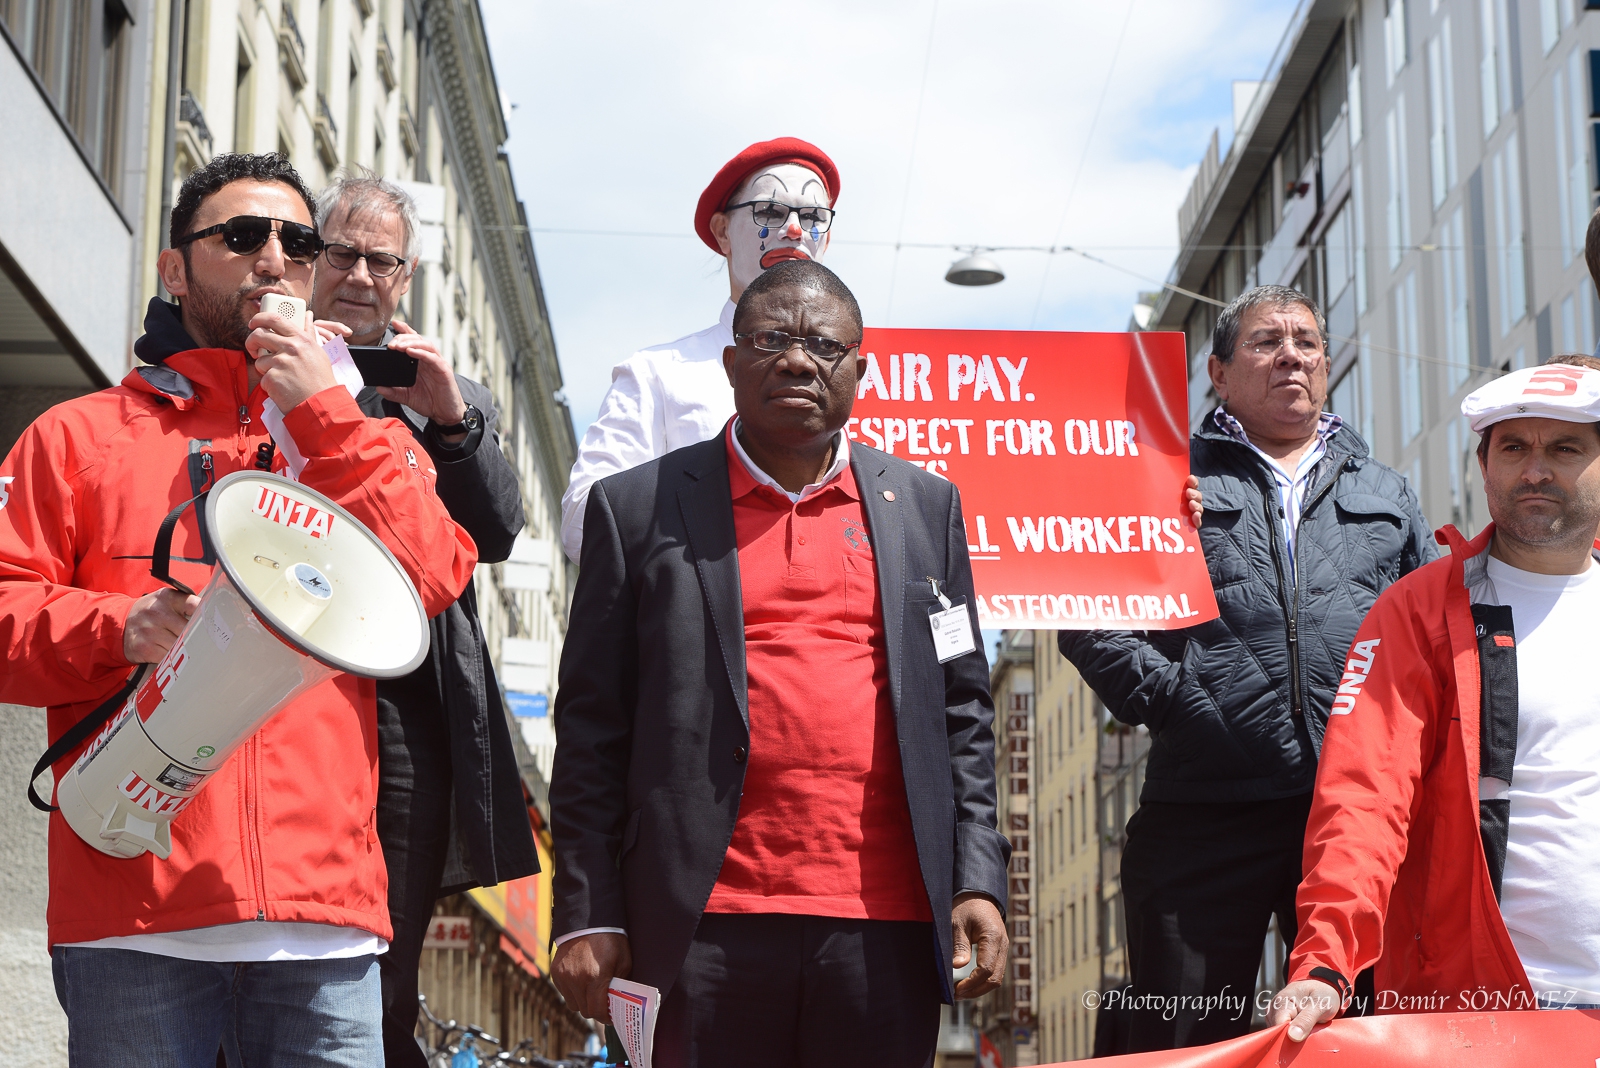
(823, 348)
(246, 234)
(379, 264)
(772, 214)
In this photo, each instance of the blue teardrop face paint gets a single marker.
(763, 233)
(815, 235)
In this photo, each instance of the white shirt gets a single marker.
(1548, 895)
(661, 398)
(1292, 485)
(841, 460)
(253, 940)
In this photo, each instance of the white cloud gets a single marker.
(626, 109)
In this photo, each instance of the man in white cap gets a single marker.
(771, 203)
(1454, 836)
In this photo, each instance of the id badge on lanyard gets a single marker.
(952, 626)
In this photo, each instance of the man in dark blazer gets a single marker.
(771, 799)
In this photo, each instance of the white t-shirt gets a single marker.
(1550, 895)
(253, 940)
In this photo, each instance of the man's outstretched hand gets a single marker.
(583, 968)
(1303, 1005)
(979, 931)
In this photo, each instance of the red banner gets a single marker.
(1564, 1038)
(1070, 451)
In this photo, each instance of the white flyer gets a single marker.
(633, 1014)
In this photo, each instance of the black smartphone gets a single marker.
(382, 366)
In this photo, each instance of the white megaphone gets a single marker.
(302, 592)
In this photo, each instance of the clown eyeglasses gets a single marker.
(771, 214)
(823, 348)
(245, 234)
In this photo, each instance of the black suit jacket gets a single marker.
(652, 707)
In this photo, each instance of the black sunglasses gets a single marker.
(245, 234)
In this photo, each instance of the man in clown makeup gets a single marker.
(771, 203)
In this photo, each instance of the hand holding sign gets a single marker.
(1072, 455)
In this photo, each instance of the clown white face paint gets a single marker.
(753, 248)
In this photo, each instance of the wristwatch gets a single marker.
(472, 420)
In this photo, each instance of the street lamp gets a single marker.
(974, 270)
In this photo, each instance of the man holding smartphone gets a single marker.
(436, 724)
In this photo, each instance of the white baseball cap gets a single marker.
(1549, 391)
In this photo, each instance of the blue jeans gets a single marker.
(141, 1010)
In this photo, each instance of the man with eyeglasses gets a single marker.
(770, 204)
(1303, 530)
(260, 933)
(443, 735)
(774, 789)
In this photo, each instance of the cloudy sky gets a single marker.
(953, 122)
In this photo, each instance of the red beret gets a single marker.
(761, 154)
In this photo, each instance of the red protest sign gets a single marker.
(1070, 450)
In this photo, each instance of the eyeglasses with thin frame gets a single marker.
(246, 234)
(772, 214)
(825, 349)
(1307, 348)
(379, 264)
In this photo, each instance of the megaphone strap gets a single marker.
(78, 732)
(161, 555)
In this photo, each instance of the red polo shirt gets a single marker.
(824, 828)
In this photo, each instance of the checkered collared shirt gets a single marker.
(1292, 486)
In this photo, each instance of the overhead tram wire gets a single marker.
(911, 161)
(1056, 250)
(1088, 141)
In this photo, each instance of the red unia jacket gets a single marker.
(285, 830)
(1394, 863)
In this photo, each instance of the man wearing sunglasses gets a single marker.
(260, 933)
(774, 790)
(771, 203)
(435, 725)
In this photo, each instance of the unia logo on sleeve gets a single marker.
(1356, 670)
(297, 515)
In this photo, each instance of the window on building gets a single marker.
(1554, 17)
(78, 50)
(1441, 115)
(1494, 62)
(1338, 268)
(1331, 89)
(1569, 324)
(1352, 41)
(1396, 212)
(352, 107)
(1396, 42)
(1572, 163)
(1505, 174)
(1457, 320)
(1405, 340)
(243, 102)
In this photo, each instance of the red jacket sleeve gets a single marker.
(375, 470)
(61, 644)
(1379, 737)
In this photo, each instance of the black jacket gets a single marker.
(651, 714)
(1237, 707)
(479, 487)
